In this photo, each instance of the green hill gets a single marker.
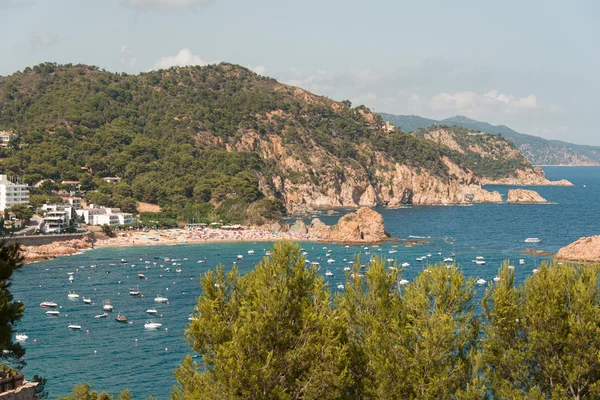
(538, 150)
(215, 143)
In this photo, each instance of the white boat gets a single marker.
(160, 299)
(71, 278)
(52, 313)
(21, 337)
(405, 265)
(135, 291)
(123, 261)
(328, 273)
(331, 261)
(240, 257)
(152, 325)
(392, 251)
(151, 311)
(48, 304)
(178, 270)
(481, 281)
(403, 282)
(390, 260)
(480, 262)
(73, 295)
(103, 315)
(107, 306)
(448, 260)
(75, 327)
(496, 279)
(535, 271)
(87, 300)
(532, 240)
(521, 262)
(420, 258)
(250, 252)
(340, 286)
(347, 269)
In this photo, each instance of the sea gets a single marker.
(111, 356)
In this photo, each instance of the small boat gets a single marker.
(134, 291)
(160, 299)
(420, 259)
(203, 261)
(178, 270)
(48, 304)
(390, 260)
(331, 261)
(73, 295)
(268, 253)
(340, 286)
(403, 282)
(250, 252)
(151, 311)
(152, 325)
(71, 278)
(240, 257)
(532, 240)
(481, 281)
(479, 260)
(75, 327)
(392, 251)
(521, 262)
(448, 260)
(141, 276)
(121, 318)
(87, 300)
(496, 279)
(123, 261)
(21, 337)
(107, 306)
(347, 269)
(405, 265)
(103, 315)
(328, 273)
(52, 313)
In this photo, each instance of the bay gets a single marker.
(112, 356)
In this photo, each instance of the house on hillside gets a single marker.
(105, 216)
(112, 179)
(12, 193)
(7, 137)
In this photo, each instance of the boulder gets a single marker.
(299, 227)
(584, 249)
(483, 196)
(522, 196)
(362, 226)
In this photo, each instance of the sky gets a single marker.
(532, 65)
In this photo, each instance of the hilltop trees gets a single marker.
(277, 333)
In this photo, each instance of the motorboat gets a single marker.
(420, 259)
(178, 270)
(405, 265)
(107, 306)
(390, 260)
(240, 257)
(152, 325)
(496, 279)
(141, 276)
(21, 337)
(328, 273)
(48, 304)
(151, 311)
(340, 286)
(331, 261)
(521, 262)
(203, 261)
(532, 240)
(52, 313)
(250, 252)
(403, 282)
(448, 260)
(392, 251)
(103, 315)
(71, 278)
(123, 261)
(121, 318)
(347, 269)
(134, 291)
(75, 327)
(73, 295)
(160, 299)
(268, 253)
(87, 300)
(481, 281)
(479, 260)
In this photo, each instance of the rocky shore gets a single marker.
(61, 248)
(584, 249)
(522, 196)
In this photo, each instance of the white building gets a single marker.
(75, 202)
(105, 216)
(57, 218)
(12, 193)
(6, 138)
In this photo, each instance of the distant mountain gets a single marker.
(538, 150)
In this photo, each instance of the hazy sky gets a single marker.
(532, 65)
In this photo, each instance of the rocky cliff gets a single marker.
(61, 248)
(522, 196)
(584, 249)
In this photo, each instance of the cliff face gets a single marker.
(61, 248)
(522, 196)
(584, 249)
(526, 177)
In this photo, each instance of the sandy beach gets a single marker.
(203, 235)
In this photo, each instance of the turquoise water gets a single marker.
(111, 356)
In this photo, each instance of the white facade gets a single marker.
(6, 138)
(105, 216)
(75, 202)
(12, 193)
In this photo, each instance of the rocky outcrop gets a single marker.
(522, 196)
(363, 226)
(299, 227)
(48, 251)
(484, 196)
(526, 177)
(584, 249)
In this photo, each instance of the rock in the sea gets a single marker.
(60, 248)
(332, 212)
(522, 196)
(362, 226)
(483, 196)
(584, 249)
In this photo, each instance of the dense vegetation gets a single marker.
(538, 150)
(183, 138)
(278, 332)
